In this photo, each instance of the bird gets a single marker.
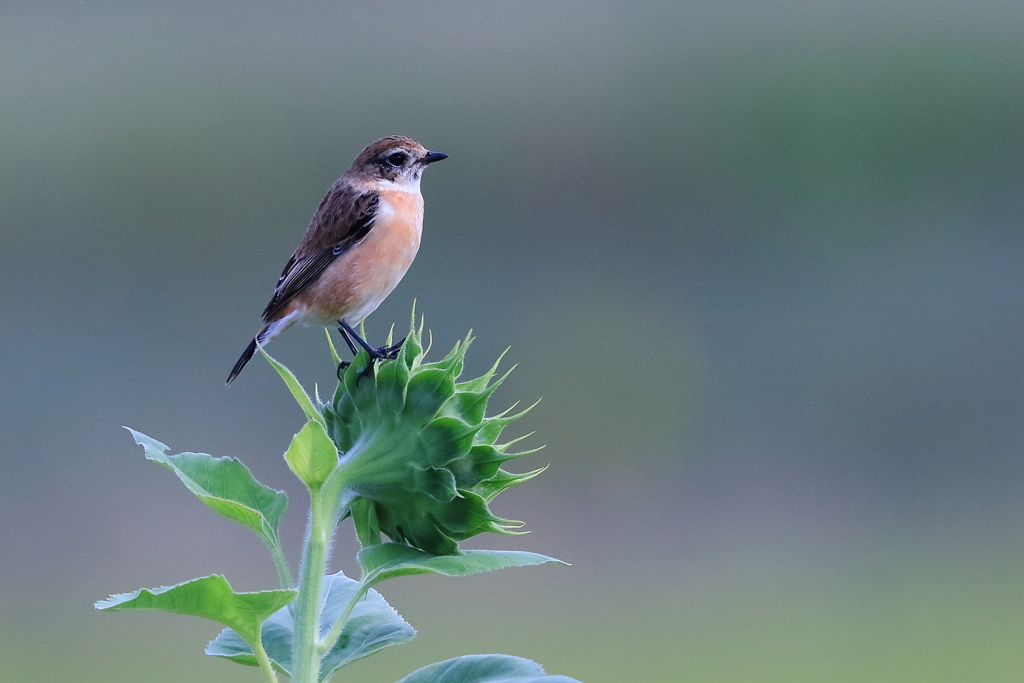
(359, 244)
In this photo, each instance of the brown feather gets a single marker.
(342, 220)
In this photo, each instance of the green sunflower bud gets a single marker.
(419, 459)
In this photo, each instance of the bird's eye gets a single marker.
(397, 159)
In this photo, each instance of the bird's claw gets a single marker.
(390, 352)
(381, 353)
(341, 367)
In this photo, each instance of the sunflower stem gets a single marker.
(306, 608)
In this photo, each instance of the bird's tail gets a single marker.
(246, 356)
(266, 333)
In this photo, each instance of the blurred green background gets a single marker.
(762, 261)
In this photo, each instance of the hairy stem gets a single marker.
(305, 657)
(265, 666)
(284, 572)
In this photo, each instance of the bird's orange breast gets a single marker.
(360, 279)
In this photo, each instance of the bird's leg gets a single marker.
(343, 330)
(383, 353)
(351, 347)
(351, 335)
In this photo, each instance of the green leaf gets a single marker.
(364, 517)
(493, 426)
(210, 597)
(480, 384)
(372, 625)
(391, 560)
(225, 485)
(446, 439)
(300, 395)
(391, 379)
(412, 350)
(427, 391)
(334, 352)
(312, 455)
(484, 669)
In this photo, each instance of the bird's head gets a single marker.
(396, 159)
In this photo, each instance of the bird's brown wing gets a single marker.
(342, 220)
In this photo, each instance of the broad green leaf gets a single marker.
(225, 485)
(372, 625)
(485, 669)
(312, 454)
(210, 597)
(391, 560)
(300, 395)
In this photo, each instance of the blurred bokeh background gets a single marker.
(762, 262)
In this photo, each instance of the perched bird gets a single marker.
(361, 241)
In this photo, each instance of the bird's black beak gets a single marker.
(431, 157)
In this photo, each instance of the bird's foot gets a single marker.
(341, 368)
(365, 372)
(352, 340)
(389, 352)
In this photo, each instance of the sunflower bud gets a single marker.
(420, 460)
